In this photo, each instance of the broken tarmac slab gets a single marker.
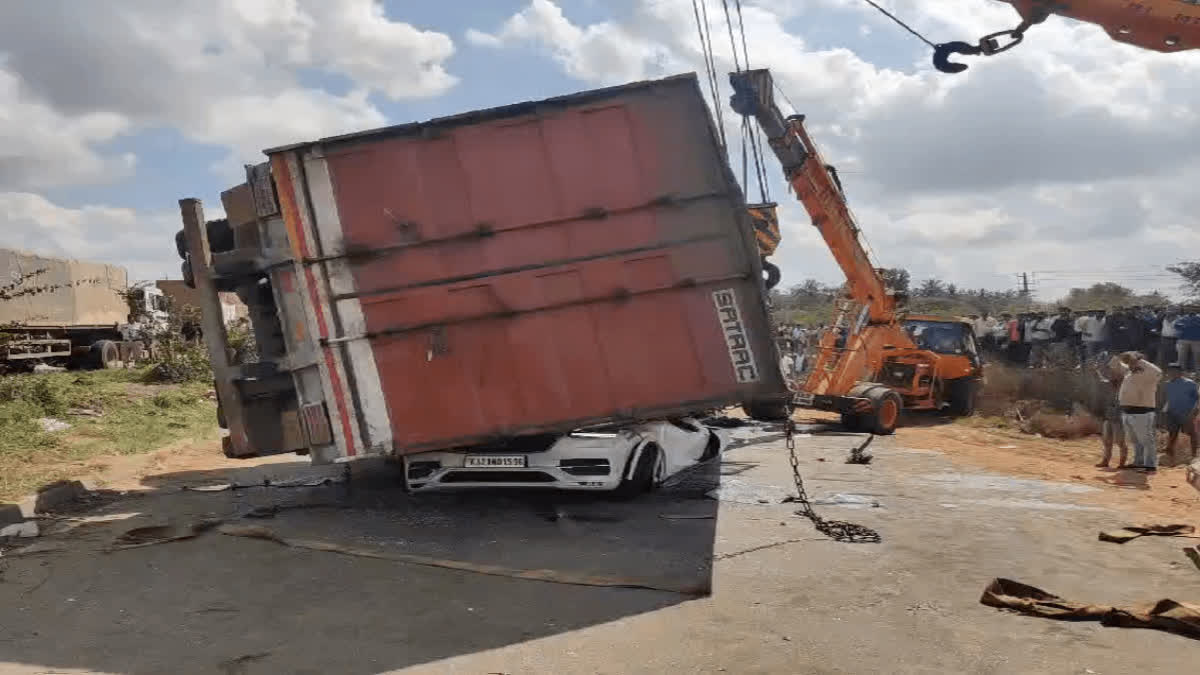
(11, 514)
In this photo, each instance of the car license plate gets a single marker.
(804, 398)
(494, 462)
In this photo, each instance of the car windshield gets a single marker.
(942, 337)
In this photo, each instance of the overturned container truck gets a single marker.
(530, 269)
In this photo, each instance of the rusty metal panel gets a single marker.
(546, 265)
(262, 189)
(60, 292)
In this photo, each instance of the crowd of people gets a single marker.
(1040, 339)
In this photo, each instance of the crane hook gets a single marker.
(943, 52)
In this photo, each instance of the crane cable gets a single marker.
(751, 138)
(710, 67)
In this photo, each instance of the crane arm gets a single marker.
(1158, 25)
(817, 187)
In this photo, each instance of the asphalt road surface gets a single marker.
(784, 599)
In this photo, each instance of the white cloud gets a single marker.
(221, 71)
(39, 146)
(134, 239)
(1070, 151)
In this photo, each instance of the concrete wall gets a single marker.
(80, 293)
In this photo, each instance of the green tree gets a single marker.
(1189, 272)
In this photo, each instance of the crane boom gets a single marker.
(816, 186)
(1159, 25)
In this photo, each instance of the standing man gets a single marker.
(1138, 399)
(1040, 334)
(1062, 336)
(1187, 339)
(1179, 412)
(1110, 375)
(1167, 337)
(1091, 335)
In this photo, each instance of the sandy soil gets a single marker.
(1163, 496)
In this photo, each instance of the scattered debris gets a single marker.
(36, 548)
(699, 588)
(1131, 532)
(59, 494)
(725, 422)
(84, 412)
(219, 487)
(52, 424)
(42, 368)
(238, 666)
(1193, 554)
(152, 535)
(26, 529)
(742, 492)
(10, 513)
(848, 500)
(1166, 615)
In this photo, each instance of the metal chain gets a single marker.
(838, 530)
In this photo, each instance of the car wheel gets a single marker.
(642, 479)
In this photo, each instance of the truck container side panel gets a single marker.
(361, 371)
(285, 170)
(77, 293)
(526, 273)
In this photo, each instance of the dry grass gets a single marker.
(123, 416)
(1056, 403)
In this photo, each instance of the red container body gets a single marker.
(541, 267)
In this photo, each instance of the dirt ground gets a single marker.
(954, 507)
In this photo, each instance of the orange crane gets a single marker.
(1159, 25)
(873, 363)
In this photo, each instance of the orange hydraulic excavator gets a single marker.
(1159, 25)
(872, 363)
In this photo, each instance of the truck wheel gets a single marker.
(773, 274)
(105, 354)
(185, 271)
(962, 395)
(220, 236)
(642, 480)
(885, 414)
(767, 411)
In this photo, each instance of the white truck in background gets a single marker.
(62, 312)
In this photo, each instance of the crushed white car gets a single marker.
(627, 460)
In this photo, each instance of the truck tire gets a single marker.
(773, 275)
(642, 480)
(886, 406)
(181, 244)
(185, 271)
(962, 395)
(220, 236)
(768, 411)
(105, 354)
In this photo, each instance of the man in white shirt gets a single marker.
(1167, 337)
(1041, 333)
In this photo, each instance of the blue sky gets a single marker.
(1004, 169)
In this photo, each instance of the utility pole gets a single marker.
(1024, 283)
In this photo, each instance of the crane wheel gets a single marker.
(885, 414)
